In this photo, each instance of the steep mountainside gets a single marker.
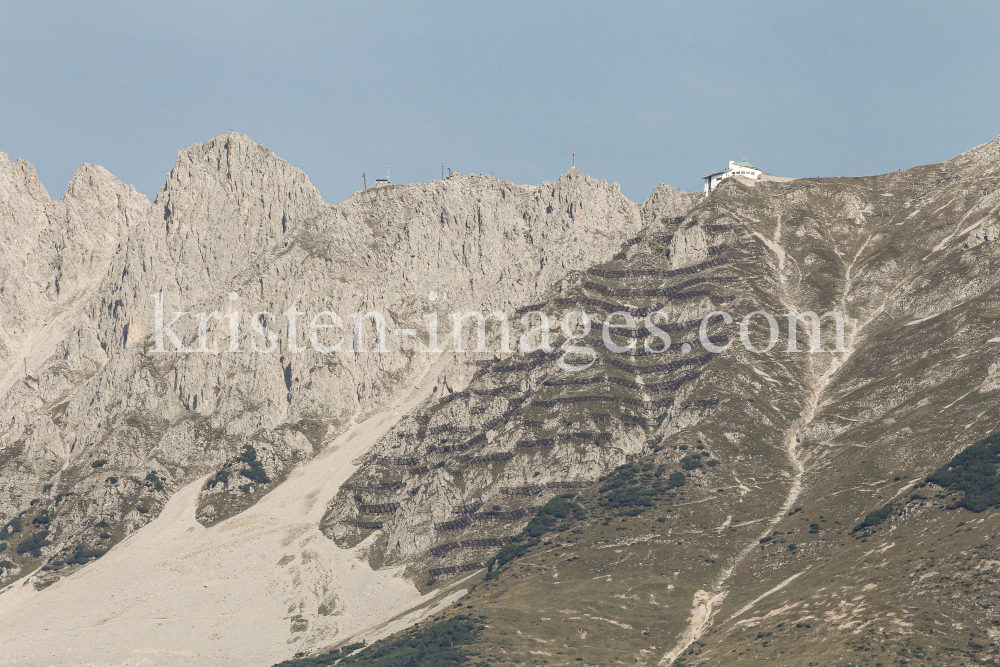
(773, 508)
(610, 498)
(105, 418)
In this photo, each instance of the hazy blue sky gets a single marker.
(644, 93)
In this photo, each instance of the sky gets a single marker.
(644, 93)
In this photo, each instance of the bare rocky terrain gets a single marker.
(699, 504)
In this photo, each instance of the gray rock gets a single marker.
(237, 230)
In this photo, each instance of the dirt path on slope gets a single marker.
(705, 603)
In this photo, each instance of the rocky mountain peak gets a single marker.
(982, 157)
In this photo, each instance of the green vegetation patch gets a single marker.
(437, 645)
(631, 486)
(221, 477)
(13, 526)
(82, 554)
(875, 518)
(33, 544)
(255, 473)
(440, 644)
(328, 658)
(692, 462)
(153, 480)
(973, 472)
(559, 509)
(558, 514)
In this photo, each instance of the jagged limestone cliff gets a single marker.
(104, 419)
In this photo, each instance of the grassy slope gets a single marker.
(919, 587)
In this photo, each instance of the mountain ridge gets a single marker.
(762, 442)
(102, 431)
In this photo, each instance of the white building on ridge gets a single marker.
(744, 169)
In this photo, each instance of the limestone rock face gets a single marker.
(54, 252)
(992, 381)
(689, 246)
(985, 233)
(107, 419)
(666, 202)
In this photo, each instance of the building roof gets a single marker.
(744, 164)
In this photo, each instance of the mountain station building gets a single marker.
(744, 169)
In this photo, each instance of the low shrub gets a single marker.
(631, 487)
(255, 473)
(152, 479)
(248, 455)
(549, 516)
(221, 477)
(874, 518)
(33, 545)
(324, 659)
(519, 547)
(557, 514)
(82, 554)
(689, 462)
(973, 472)
(440, 644)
